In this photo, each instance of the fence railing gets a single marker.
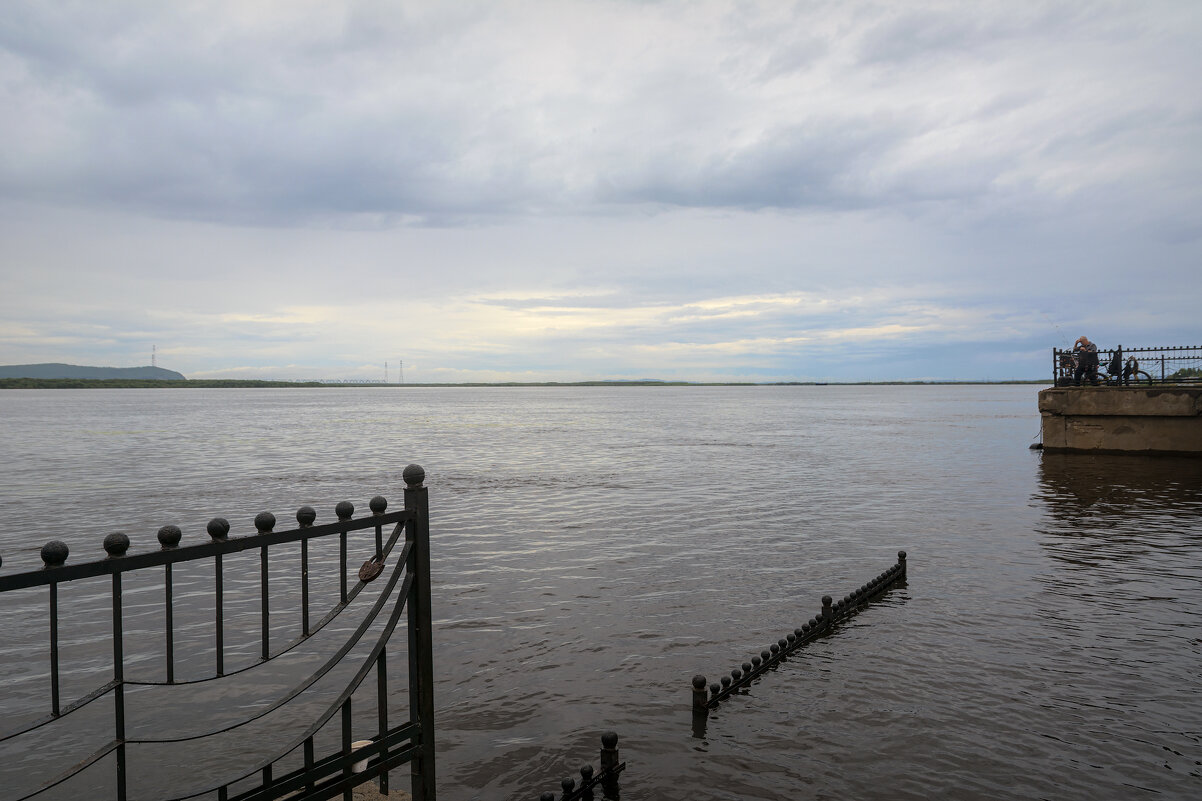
(817, 626)
(1178, 364)
(606, 777)
(254, 771)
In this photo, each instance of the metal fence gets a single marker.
(148, 763)
(1177, 364)
(817, 626)
(606, 778)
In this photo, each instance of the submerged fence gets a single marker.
(817, 626)
(140, 752)
(1177, 364)
(607, 777)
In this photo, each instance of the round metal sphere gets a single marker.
(826, 600)
(901, 556)
(218, 528)
(568, 784)
(264, 522)
(757, 661)
(169, 536)
(805, 627)
(305, 516)
(782, 642)
(586, 772)
(765, 655)
(792, 638)
(774, 648)
(377, 505)
(699, 682)
(54, 553)
(609, 739)
(414, 475)
(725, 682)
(344, 510)
(547, 797)
(736, 674)
(116, 544)
(746, 667)
(715, 688)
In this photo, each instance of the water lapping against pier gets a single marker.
(594, 548)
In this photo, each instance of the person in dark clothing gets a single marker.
(1087, 361)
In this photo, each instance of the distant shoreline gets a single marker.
(122, 383)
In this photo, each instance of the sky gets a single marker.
(564, 190)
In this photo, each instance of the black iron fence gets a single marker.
(149, 763)
(1179, 364)
(817, 626)
(606, 777)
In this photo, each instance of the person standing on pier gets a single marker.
(1087, 360)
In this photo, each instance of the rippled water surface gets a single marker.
(594, 548)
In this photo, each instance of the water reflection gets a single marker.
(1118, 507)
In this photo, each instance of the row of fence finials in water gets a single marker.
(607, 777)
(832, 611)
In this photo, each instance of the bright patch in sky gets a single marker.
(594, 190)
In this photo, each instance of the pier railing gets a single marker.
(1176, 364)
(260, 732)
(709, 696)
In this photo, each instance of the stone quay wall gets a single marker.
(1122, 419)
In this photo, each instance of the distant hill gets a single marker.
(95, 373)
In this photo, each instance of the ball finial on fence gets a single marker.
(586, 773)
(218, 528)
(344, 510)
(568, 784)
(305, 516)
(54, 553)
(547, 797)
(169, 536)
(377, 505)
(699, 682)
(116, 544)
(414, 475)
(264, 522)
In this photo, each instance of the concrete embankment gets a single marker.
(1122, 419)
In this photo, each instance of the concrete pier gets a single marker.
(1122, 419)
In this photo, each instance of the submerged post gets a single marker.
(421, 658)
(901, 564)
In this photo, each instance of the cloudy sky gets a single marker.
(606, 189)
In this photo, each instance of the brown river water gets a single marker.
(594, 548)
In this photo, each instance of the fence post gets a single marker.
(421, 659)
(901, 563)
(828, 614)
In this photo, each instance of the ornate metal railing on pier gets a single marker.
(148, 763)
(819, 625)
(1179, 364)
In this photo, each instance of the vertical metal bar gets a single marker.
(264, 602)
(222, 794)
(382, 711)
(379, 540)
(170, 618)
(54, 690)
(220, 619)
(305, 587)
(119, 678)
(309, 763)
(266, 776)
(1162, 367)
(346, 746)
(417, 501)
(342, 566)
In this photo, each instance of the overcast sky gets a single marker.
(568, 190)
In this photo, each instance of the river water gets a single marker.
(594, 548)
